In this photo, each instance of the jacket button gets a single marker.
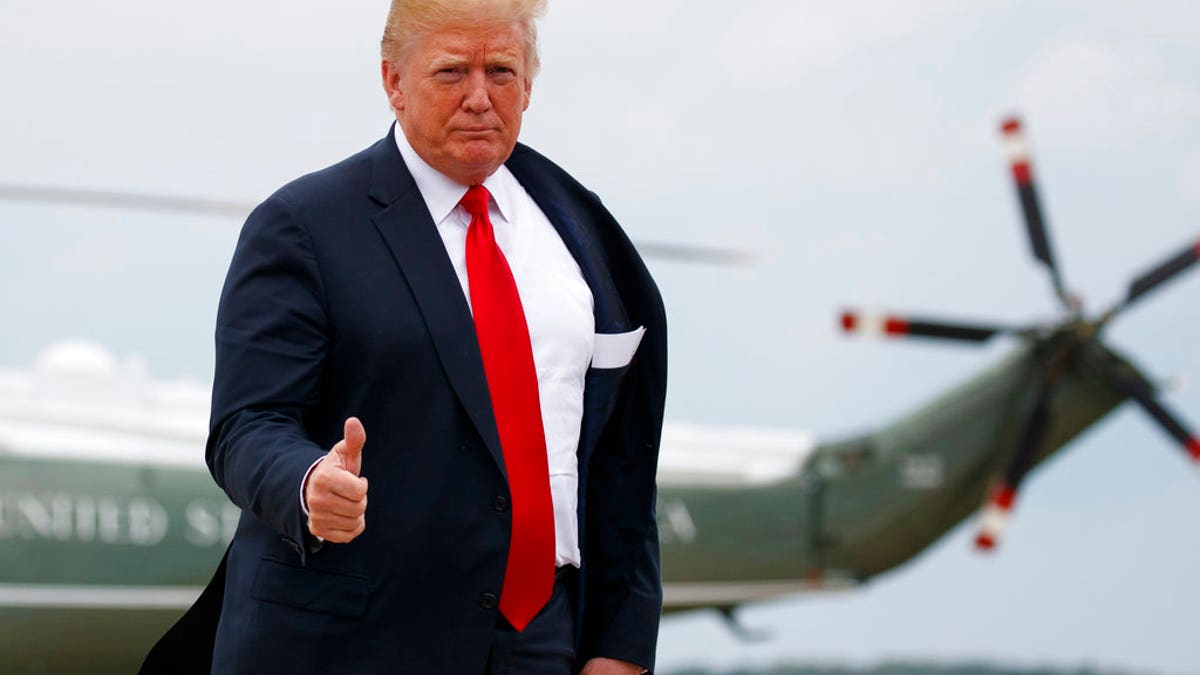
(501, 504)
(487, 601)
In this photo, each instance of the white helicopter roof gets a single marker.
(79, 401)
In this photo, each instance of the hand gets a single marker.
(335, 494)
(603, 666)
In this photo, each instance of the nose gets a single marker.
(476, 98)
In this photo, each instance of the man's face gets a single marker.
(459, 96)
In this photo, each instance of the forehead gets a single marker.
(501, 39)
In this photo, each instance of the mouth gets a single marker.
(477, 131)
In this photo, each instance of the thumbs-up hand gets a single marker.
(335, 494)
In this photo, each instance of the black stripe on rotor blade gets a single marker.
(1167, 420)
(949, 331)
(1035, 225)
(1039, 238)
(1163, 272)
(1032, 439)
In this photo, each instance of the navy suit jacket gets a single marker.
(340, 300)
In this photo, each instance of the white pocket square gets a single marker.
(616, 350)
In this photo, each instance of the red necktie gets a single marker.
(512, 382)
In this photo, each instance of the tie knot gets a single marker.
(476, 201)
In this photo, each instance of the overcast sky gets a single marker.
(852, 145)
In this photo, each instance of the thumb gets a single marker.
(350, 449)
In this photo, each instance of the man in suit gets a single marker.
(431, 402)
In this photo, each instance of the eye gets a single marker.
(502, 74)
(448, 74)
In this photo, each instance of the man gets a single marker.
(431, 402)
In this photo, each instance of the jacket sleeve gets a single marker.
(272, 339)
(633, 633)
(623, 593)
(623, 584)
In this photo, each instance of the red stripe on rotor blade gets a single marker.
(1003, 497)
(849, 322)
(1193, 448)
(1022, 173)
(1011, 126)
(985, 542)
(895, 327)
(1196, 248)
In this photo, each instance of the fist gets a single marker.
(335, 494)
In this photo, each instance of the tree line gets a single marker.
(900, 669)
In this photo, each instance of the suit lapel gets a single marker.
(568, 217)
(572, 221)
(412, 237)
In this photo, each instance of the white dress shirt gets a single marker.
(558, 309)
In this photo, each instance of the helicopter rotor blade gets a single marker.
(1157, 276)
(689, 253)
(161, 203)
(125, 200)
(854, 321)
(997, 510)
(1019, 157)
(1168, 421)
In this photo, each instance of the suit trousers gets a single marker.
(546, 646)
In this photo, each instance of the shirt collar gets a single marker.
(442, 193)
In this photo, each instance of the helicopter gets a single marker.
(110, 524)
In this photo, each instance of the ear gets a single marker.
(528, 91)
(392, 84)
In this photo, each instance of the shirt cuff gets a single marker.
(303, 501)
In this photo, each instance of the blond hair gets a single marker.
(408, 20)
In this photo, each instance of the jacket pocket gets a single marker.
(311, 590)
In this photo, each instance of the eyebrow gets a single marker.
(441, 61)
(446, 61)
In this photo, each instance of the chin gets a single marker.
(480, 153)
(480, 161)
